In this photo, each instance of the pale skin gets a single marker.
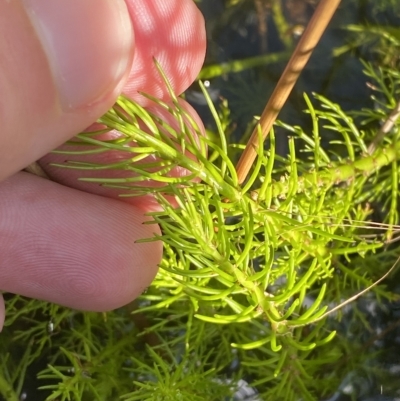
(60, 70)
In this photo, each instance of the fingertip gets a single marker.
(63, 64)
(173, 33)
(88, 46)
(72, 248)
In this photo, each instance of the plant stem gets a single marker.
(7, 391)
(216, 70)
(302, 53)
(345, 172)
(386, 128)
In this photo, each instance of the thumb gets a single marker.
(62, 65)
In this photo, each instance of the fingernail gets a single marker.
(89, 46)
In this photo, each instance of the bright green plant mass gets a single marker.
(250, 273)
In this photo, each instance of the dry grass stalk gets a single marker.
(309, 40)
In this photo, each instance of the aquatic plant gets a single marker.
(256, 269)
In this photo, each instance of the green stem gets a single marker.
(202, 168)
(281, 24)
(346, 172)
(7, 391)
(215, 70)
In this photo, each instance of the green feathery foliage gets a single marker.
(249, 274)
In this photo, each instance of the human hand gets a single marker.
(57, 243)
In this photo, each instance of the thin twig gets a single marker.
(385, 129)
(358, 295)
(302, 53)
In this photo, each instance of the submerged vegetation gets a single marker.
(254, 277)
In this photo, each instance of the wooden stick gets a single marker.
(302, 53)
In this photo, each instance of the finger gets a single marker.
(78, 55)
(70, 177)
(72, 248)
(172, 32)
